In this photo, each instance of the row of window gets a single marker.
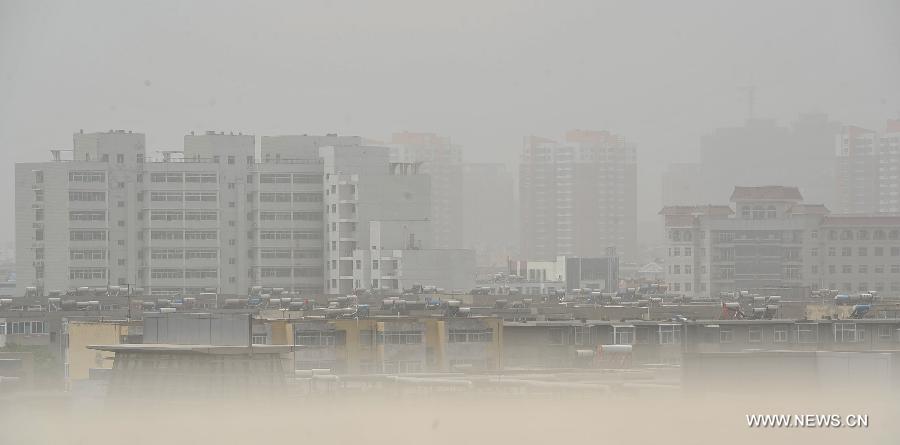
(183, 254)
(290, 216)
(87, 215)
(288, 178)
(187, 235)
(87, 235)
(470, 335)
(272, 235)
(90, 177)
(22, 327)
(285, 272)
(289, 197)
(183, 273)
(177, 196)
(864, 235)
(183, 215)
(87, 273)
(288, 253)
(862, 268)
(860, 251)
(87, 196)
(87, 254)
(184, 177)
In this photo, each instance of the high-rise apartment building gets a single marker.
(578, 197)
(490, 219)
(760, 152)
(441, 160)
(868, 170)
(216, 217)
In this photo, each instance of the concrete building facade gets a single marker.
(772, 242)
(214, 217)
(441, 160)
(868, 170)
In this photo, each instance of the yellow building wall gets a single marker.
(281, 332)
(81, 334)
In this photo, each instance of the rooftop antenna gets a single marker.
(751, 98)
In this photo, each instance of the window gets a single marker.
(623, 335)
(87, 196)
(846, 251)
(300, 178)
(781, 335)
(87, 235)
(259, 339)
(879, 251)
(687, 251)
(200, 196)
(24, 327)
(166, 196)
(201, 178)
(885, 333)
(470, 335)
(87, 215)
(400, 337)
(755, 334)
(307, 197)
(669, 334)
(88, 177)
(726, 335)
(87, 273)
(275, 178)
(832, 251)
(863, 251)
(845, 333)
(87, 254)
(275, 197)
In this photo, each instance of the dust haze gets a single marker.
(451, 222)
(486, 74)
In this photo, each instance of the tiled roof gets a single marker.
(776, 192)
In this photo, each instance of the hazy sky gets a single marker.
(486, 73)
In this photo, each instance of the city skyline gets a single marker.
(486, 81)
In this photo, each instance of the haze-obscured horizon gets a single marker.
(485, 74)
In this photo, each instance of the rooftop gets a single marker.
(197, 349)
(767, 192)
(862, 220)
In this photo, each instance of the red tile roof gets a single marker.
(766, 192)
